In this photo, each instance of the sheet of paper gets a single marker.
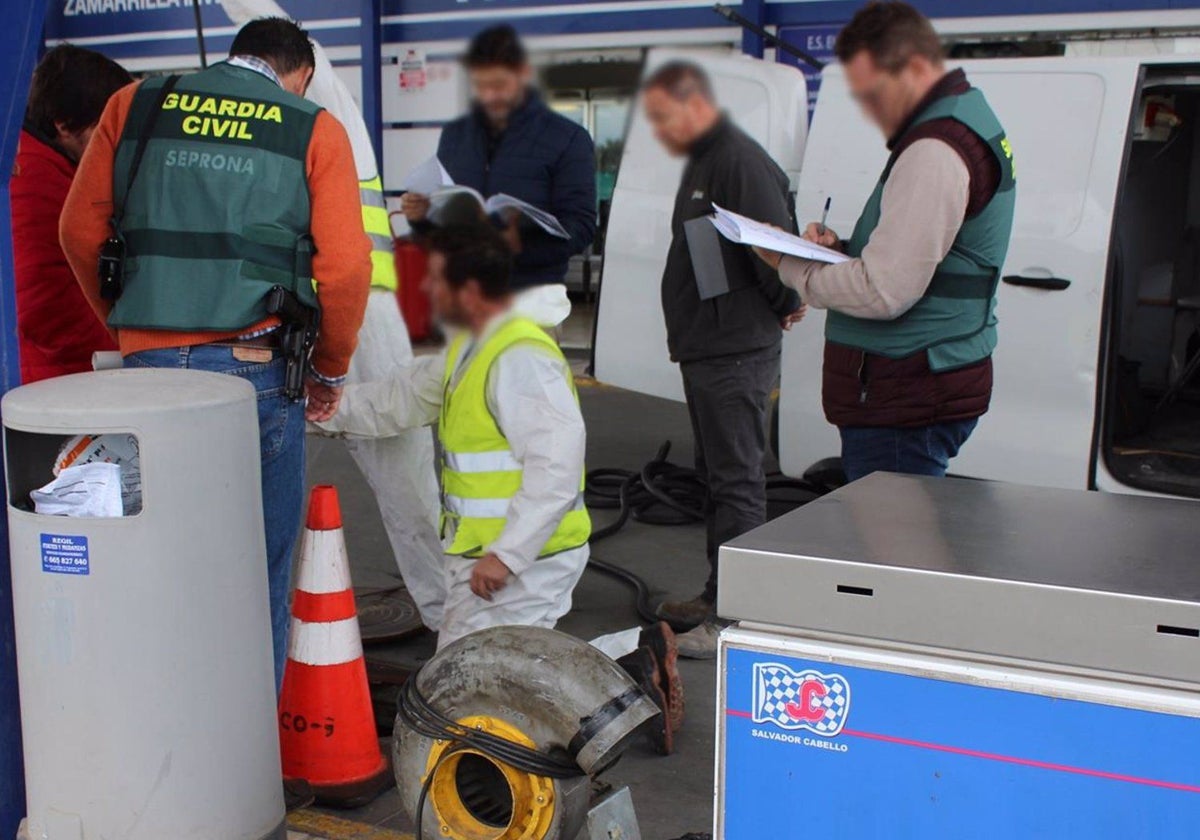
(546, 221)
(427, 178)
(747, 231)
(86, 490)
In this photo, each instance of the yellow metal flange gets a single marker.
(532, 797)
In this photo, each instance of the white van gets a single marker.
(1096, 373)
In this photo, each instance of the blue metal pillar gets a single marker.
(756, 12)
(20, 43)
(371, 12)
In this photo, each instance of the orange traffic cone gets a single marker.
(326, 726)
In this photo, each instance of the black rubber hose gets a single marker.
(662, 493)
(641, 592)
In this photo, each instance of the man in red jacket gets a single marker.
(57, 328)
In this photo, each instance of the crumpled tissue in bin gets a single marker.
(119, 449)
(86, 490)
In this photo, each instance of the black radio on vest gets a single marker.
(112, 253)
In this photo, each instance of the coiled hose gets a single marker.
(662, 493)
(415, 712)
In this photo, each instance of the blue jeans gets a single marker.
(926, 450)
(281, 438)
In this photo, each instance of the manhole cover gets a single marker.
(387, 615)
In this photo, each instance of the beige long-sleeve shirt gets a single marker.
(923, 206)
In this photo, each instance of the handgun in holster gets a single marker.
(297, 335)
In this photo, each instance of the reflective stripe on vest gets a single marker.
(489, 508)
(480, 474)
(379, 231)
(220, 212)
(954, 322)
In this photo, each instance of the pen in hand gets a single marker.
(825, 215)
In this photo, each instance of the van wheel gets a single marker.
(827, 474)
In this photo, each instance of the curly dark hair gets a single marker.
(474, 252)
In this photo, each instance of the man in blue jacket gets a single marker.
(512, 142)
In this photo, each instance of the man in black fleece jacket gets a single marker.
(727, 346)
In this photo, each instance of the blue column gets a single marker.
(756, 11)
(20, 43)
(371, 12)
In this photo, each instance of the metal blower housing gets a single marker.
(538, 687)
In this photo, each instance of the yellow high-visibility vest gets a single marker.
(480, 474)
(379, 229)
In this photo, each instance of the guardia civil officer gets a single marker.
(213, 195)
(400, 470)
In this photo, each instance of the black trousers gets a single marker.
(728, 399)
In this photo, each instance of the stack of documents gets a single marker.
(746, 231)
(495, 205)
(432, 179)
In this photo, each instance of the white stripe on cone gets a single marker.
(325, 643)
(324, 566)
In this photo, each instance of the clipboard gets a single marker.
(711, 259)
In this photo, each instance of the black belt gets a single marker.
(268, 341)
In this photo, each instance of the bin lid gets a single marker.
(97, 400)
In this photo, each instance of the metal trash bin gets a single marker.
(144, 641)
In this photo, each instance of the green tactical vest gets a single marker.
(219, 212)
(480, 474)
(955, 321)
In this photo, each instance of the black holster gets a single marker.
(297, 335)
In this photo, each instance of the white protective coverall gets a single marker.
(528, 393)
(399, 468)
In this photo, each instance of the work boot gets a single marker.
(701, 643)
(643, 668)
(684, 615)
(661, 641)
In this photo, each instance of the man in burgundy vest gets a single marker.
(911, 318)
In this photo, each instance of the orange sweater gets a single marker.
(342, 263)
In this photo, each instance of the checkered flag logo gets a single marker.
(808, 700)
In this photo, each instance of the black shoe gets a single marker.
(684, 615)
(297, 794)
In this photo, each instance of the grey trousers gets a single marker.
(728, 400)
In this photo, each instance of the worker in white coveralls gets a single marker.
(515, 528)
(399, 468)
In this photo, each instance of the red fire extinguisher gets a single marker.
(414, 303)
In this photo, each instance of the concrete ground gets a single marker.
(673, 795)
